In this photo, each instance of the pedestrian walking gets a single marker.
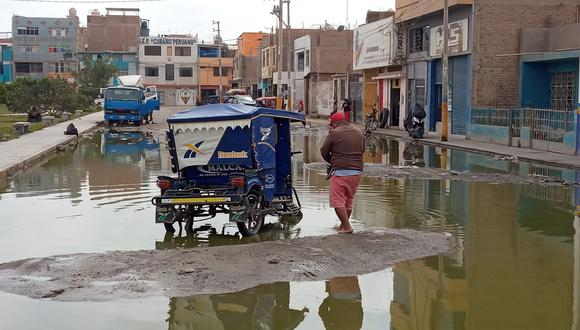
(343, 149)
(346, 109)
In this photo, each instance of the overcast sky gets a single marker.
(195, 16)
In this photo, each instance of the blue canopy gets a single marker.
(221, 112)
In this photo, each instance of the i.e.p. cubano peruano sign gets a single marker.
(166, 41)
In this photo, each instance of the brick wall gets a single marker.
(497, 27)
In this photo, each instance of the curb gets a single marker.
(464, 148)
(36, 158)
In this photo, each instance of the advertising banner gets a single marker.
(458, 42)
(372, 44)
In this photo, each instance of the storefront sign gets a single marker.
(166, 41)
(458, 34)
(372, 44)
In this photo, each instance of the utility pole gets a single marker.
(219, 39)
(445, 72)
(279, 54)
(289, 59)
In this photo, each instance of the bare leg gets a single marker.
(349, 213)
(342, 214)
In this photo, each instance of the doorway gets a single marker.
(395, 102)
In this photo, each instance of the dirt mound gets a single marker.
(185, 272)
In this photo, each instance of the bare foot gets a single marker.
(344, 231)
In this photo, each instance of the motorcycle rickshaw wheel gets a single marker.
(255, 220)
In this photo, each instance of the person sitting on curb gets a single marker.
(343, 149)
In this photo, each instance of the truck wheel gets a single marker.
(255, 220)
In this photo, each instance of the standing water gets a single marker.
(514, 263)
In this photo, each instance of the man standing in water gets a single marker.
(343, 149)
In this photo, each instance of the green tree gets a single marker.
(41, 96)
(3, 93)
(95, 75)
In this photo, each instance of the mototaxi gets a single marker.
(231, 159)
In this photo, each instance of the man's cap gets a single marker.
(336, 117)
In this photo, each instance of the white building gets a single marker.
(170, 63)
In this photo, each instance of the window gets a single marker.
(300, 62)
(59, 67)
(29, 49)
(52, 49)
(28, 31)
(182, 51)
(186, 72)
(28, 68)
(169, 72)
(151, 72)
(307, 58)
(216, 72)
(58, 32)
(419, 39)
(268, 57)
(169, 51)
(153, 50)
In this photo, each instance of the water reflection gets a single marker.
(515, 261)
(342, 309)
(263, 307)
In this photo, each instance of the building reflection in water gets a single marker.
(515, 261)
(263, 307)
(109, 164)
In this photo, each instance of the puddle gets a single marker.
(514, 264)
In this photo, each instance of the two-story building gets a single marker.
(170, 62)
(44, 46)
(382, 74)
(247, 72)
(493, 57)
(269, 64)
(322, 62)
(115, 37)
(209, 74)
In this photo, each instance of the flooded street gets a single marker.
(514, 264)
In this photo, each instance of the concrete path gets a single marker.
(27, 150)
(459, 142)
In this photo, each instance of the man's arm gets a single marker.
(326, 148)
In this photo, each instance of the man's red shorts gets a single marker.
(342, 191)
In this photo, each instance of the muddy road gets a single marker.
(177, 273)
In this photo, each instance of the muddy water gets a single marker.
(514, 264)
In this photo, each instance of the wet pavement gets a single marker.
(514, 265)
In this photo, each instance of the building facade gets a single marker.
(5, 62)
(116, 31)
(424, 46)
(382, 72)
(170, 63)
(508, 82)
(269, 64)
(209, 72)
(322, 61)
(247, 73)
(45, 46)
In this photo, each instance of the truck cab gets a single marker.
(130, 101)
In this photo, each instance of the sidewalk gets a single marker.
(27, 150)
(459, 142)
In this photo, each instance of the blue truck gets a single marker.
(130, 102)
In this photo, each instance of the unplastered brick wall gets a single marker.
(497, 25)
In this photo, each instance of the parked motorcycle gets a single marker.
(414, 124)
